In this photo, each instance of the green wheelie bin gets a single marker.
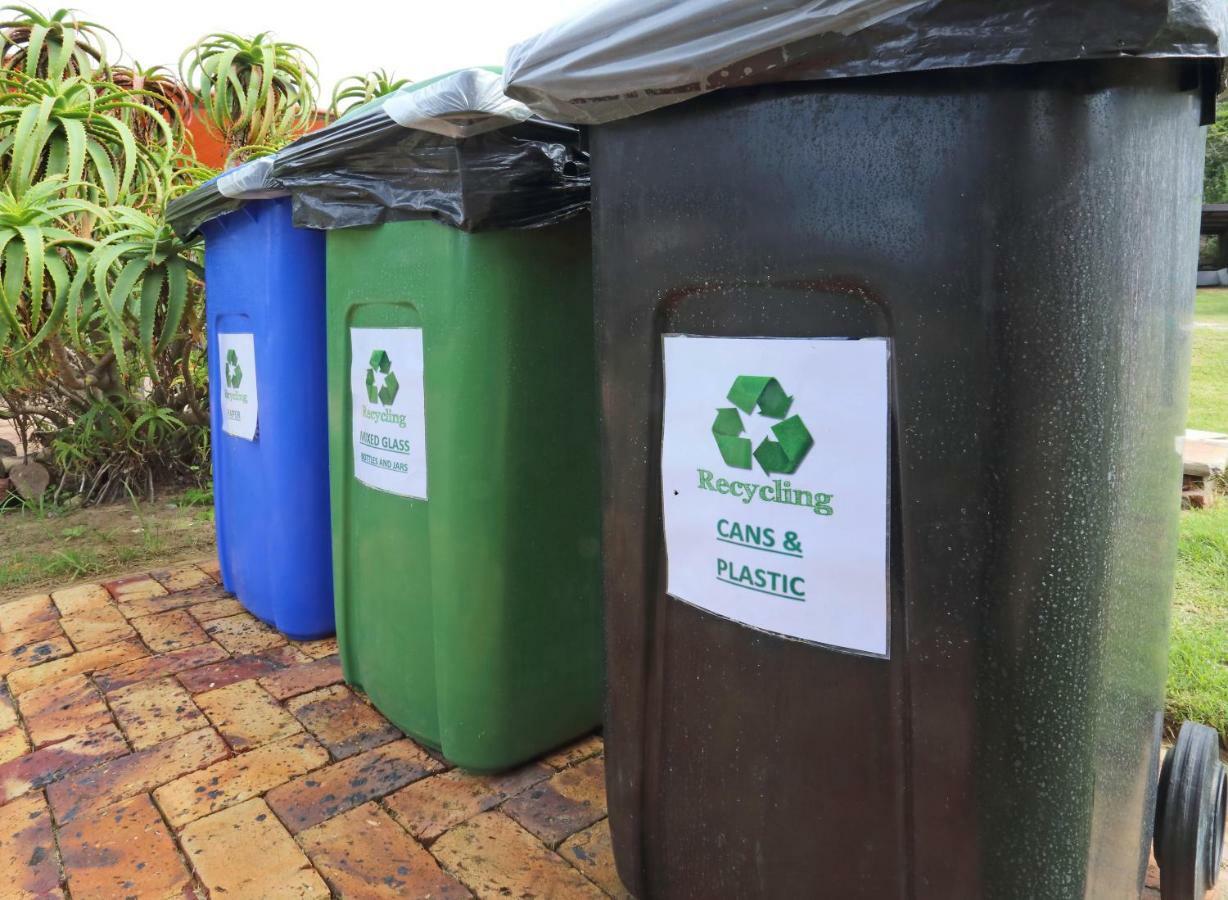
(463, 415)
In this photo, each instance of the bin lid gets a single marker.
(402, 157)
(626, 57)
(223, 194)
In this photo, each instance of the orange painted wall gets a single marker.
(211, 151)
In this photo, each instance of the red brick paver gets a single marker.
(342, 722)
(49, 764)
(63, 709)
(13, 744)
(26, 611)
(246, 715)
(82, 598)
(134, 587)
(8, 710)
(592, 853)
(171, 630)
(88, 791)
(301, 679)
(429, 808)
(85, 661)
(215, 609)
(495, 857)
(156, 740)
(319, 649)
(244, 852)
(127, 851)
(148, 605)
(364, 853)
(239, 668)
(585, 748)
(239, 778)
(96, 627)
(124, 674)
(37, 631)
(182, 578)
(27, 849)
(211, 568)
(27, 647)
(315, 797)
(571, 800)
(153, 711)
(243, 633)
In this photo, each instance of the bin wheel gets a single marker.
(1191, 803)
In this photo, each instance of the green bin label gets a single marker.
(389, 417)
(774, 470)
(240, 399)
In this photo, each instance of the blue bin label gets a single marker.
(389, 410)
(774, 469)
(240, 397)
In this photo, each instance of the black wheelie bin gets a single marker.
(893, 310)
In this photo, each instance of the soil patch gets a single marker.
(53, 547)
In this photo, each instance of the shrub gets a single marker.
(102, 331)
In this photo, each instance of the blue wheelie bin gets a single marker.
(264, 306)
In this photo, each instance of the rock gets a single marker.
(7, 448)
(1205, 459)
(30, 479)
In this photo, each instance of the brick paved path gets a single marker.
(158, 741)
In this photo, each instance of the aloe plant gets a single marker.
(252, 91)
(239, 155)
(41, 259)
(158, 88)
(358, 90)
(141, 272)
(76, 128)
(51, 46)
(101, 341)
(102, 347)
(186, 174)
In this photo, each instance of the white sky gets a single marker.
(412, 38)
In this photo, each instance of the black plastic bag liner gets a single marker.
(627, 57)
(221, 195)
(454, 149)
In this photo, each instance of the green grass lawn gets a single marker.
(1198, 654)
(1212, 305)
(1209, 368)
(1198, 650)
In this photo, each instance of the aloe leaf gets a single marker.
(151, 292)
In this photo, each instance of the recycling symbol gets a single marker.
(777, 457)
(234, 374)
(380, 369)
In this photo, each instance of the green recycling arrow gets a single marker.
(748, 390)
(233, 373)
(785, 454)
(387, 394)
(793, 441)
(735, 450)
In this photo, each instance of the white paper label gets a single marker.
(774, 469)
(389, 406)
(240, 399)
